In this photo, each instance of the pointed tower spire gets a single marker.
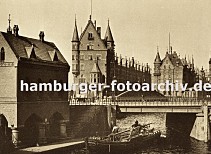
(108, 35)
(169, 43)
(192, 60)
(157, 58)
(75, 33)
(91, 11)
(9, 29)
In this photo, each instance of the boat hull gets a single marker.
(123, 147)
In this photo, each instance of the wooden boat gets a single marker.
(124, 141)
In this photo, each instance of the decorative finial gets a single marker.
(157, 49)
(108, 21)
(9, 29)
(9, 19)
(75, 19)
(91, 11)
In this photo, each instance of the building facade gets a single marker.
(174, 69)
(33, 116)
(94, 61)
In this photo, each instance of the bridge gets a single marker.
(171, 105)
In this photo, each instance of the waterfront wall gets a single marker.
(89, 121)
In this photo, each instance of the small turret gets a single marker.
(157, 64)
(75, 34)
(109, 38)
(75, 51)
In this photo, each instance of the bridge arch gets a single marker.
(54, 121)
(3, 124)
(31, 129)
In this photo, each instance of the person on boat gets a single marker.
(115, 129)
(136, 124)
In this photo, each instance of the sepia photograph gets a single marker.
(105, 77)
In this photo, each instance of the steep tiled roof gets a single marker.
(75, 34)
(89, 22)
(108, 35)
(157, 58)
(21, 47)
(175, 60)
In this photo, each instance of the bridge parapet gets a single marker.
(137, 103)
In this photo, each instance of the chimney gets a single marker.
(42, 35)
(95, 24)
(15, 30)
(99, 31)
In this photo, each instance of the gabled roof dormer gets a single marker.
(53, 55)
(31, 52)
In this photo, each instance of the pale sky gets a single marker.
(138, 26)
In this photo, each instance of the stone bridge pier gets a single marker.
(201, 127)
(195, 125)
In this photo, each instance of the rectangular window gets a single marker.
(73, 67)
(98, 57)
(76, 66)
(90, 36)
(82, 67)
(81, 57)
(89, 57)
(89, 47)
(73, 57)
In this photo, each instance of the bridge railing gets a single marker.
(138, 102)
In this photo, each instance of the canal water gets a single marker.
(176, 143)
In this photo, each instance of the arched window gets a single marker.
(2, 55)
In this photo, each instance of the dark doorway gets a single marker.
(55, 124)
(31, 130)
(3, 125)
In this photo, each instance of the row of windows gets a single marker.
(95, 78)
(89, 57)
(75, 67)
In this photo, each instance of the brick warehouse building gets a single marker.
(174, 68)
(94, 61)
(33, 116)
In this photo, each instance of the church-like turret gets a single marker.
(75, 52)
(157, 64)
(109, 38)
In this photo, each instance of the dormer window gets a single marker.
(2, 54)
(33, 55)
(55, 57)
(90, 36)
